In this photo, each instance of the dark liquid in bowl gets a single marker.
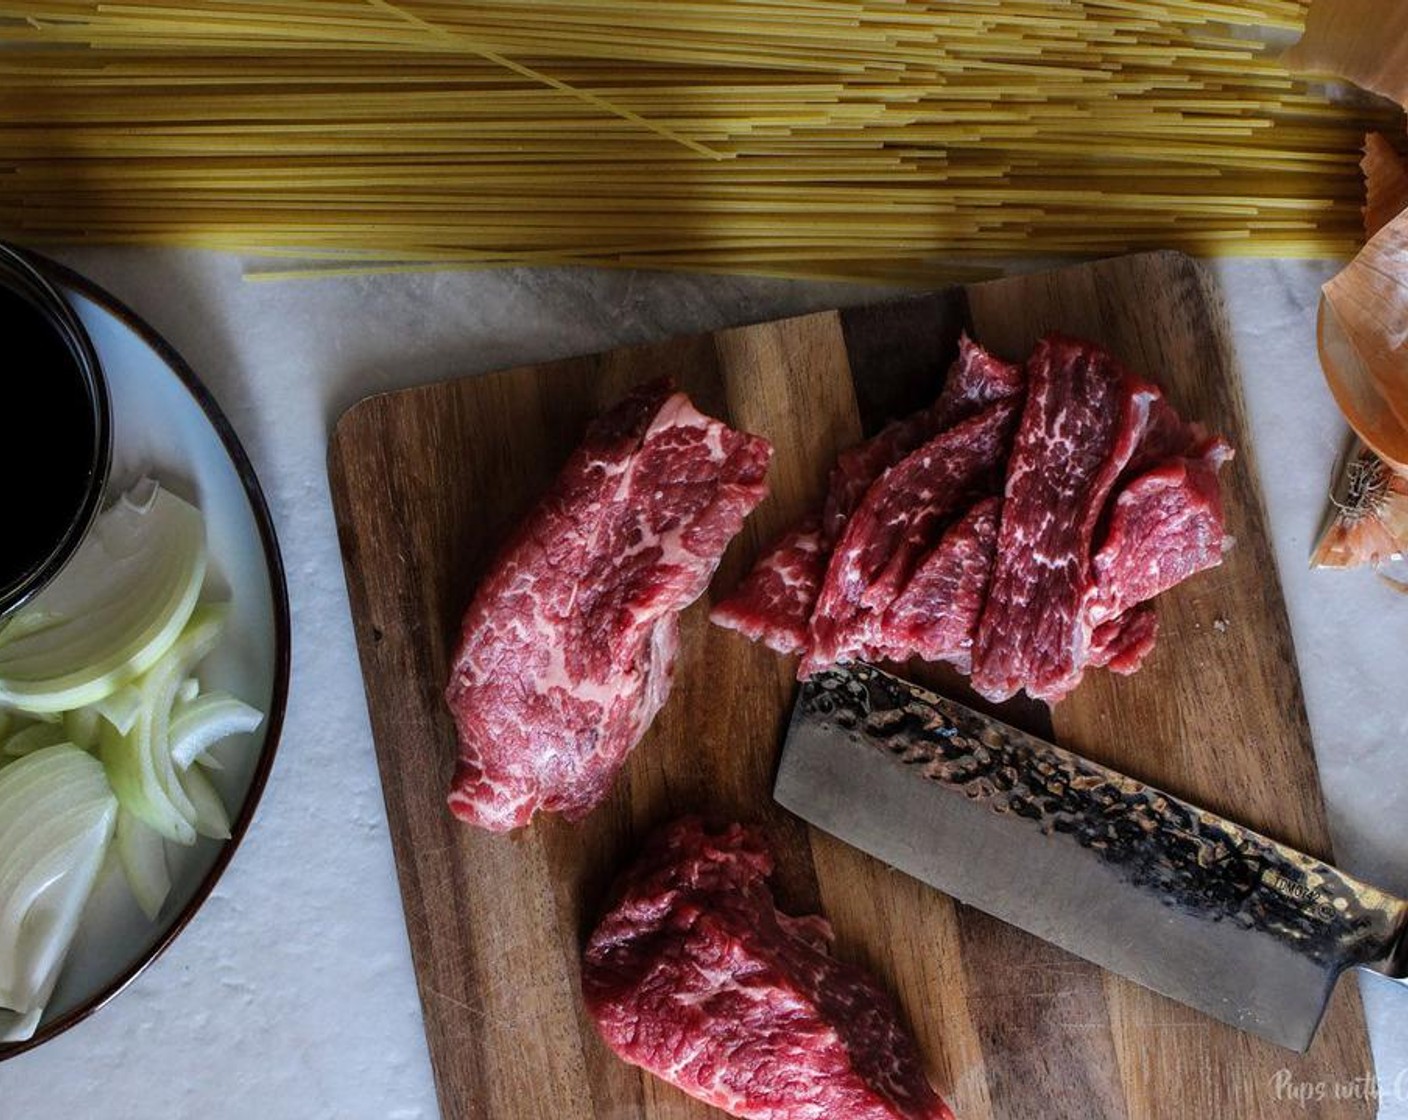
(46, 437)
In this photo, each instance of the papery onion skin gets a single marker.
(1368, 518)
(1362, 41)
(1363, 338)
(1356, 393)
(1363, 328)
(1385, 183)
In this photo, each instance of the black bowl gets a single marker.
(65, 528)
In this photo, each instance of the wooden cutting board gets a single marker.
(426, 482)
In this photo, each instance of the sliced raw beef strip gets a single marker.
(773, 604)
(1165, 436)
(695, 976)
(567, 650)
(1121, 644)
(1165, 526)
(976, 380)
(858, 467)
(757, 609)
(1085, 416)
(936, 615)
(899, 521)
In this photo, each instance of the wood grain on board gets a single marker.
(426, 482)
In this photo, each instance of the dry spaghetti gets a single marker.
(866, 139)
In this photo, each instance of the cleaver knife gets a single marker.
(1135, 880)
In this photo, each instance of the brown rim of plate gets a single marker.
(278, 702)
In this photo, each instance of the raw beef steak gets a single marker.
(936, 615)
(1018, 541)
(1085, 417)
(976, 380)
(567, 650)
(774, 604)
(903, 515)
(696, 976)
(1165, 526)
(1166, 435)
(1121, 644)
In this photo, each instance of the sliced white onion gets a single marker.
(211, 818)
(33, 738)
(121, 708)
(139, 763)
(57, 815)
(142, 853)
(105, 659)
(81, 725)
(200, 724)
(113, 611)
(16, 1027)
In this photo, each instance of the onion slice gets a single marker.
(81, 725)
(121, 708)
(163, 796)
(200, 724)
(142, 854)
(104, 660)
(57, 815)
(211, 819)
(33, 738)
(139, 763)
(113, 611)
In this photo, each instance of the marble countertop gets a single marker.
(291, 994)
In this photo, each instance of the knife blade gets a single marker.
(1127, 876)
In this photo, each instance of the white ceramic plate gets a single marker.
(167, 425)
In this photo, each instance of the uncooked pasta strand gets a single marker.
(888, 140)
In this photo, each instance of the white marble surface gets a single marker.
(291, 995)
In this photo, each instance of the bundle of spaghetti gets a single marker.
(866, 139)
